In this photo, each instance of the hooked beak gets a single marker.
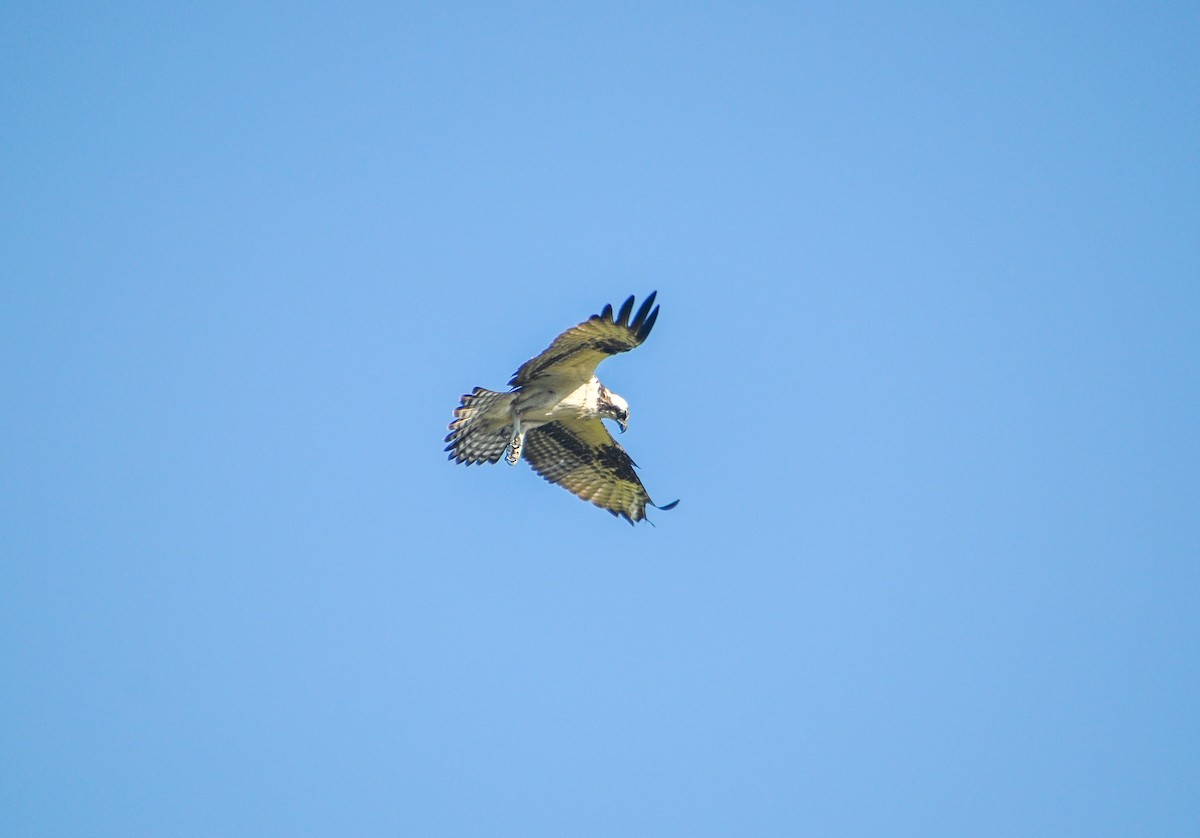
(624, 423)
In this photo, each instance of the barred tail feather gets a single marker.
(482, 426)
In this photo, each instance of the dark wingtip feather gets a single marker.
(623, 314)
(670, 505)
(644, 330)
(606, 314)
(641, 315)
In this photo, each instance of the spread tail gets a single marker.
(482, 427)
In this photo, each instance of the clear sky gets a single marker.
(926, 379)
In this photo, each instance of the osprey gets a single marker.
(553, 415)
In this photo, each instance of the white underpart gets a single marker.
(543, 401)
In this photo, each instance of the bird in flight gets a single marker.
(552, 415)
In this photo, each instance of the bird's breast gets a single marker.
(547, 403)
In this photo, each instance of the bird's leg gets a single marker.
(514, 445)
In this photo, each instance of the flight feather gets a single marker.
(579, 350)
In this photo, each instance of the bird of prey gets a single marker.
(553, 415)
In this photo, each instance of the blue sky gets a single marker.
(926, 379)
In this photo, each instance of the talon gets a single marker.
(514, 446)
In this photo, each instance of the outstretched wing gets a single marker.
(581, 456)
(578, 350)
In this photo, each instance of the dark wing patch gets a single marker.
(581, 456)
(581, 348)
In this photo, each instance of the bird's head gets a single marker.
(618, 409)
